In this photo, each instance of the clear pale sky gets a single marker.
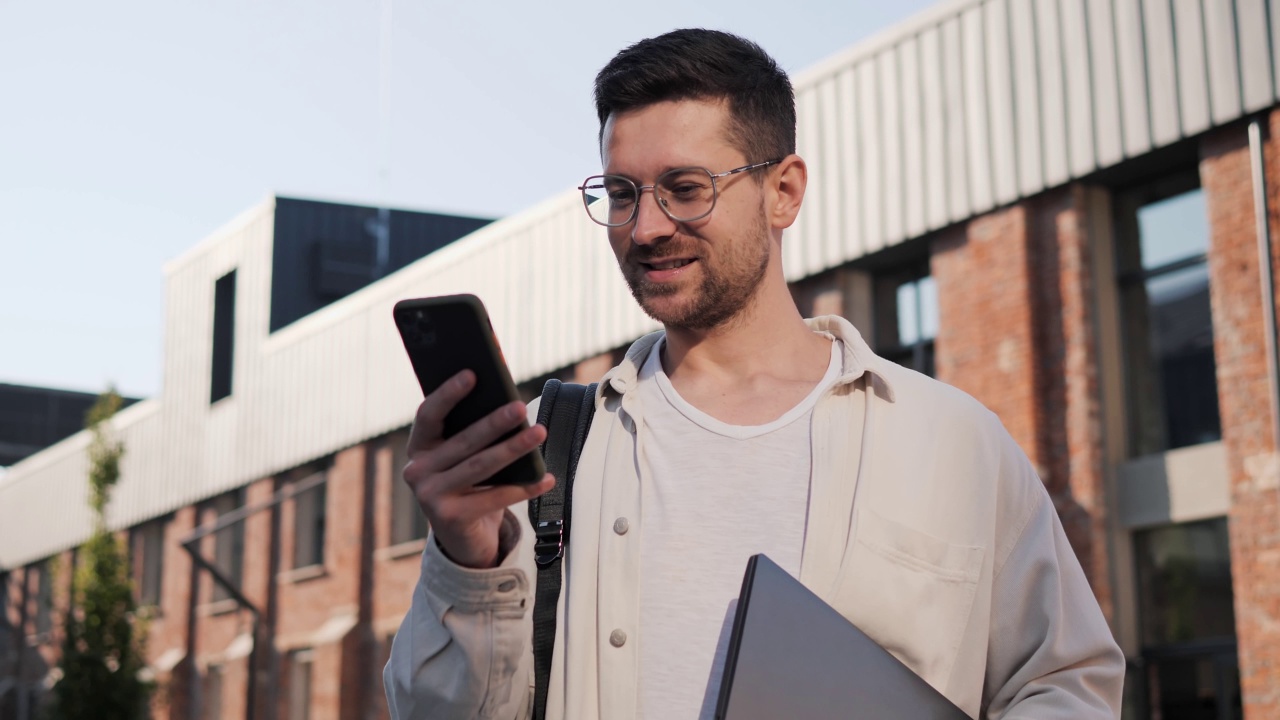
(131, 130)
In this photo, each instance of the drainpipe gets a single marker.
(1264, 267)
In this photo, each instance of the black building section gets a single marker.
(325, 251)
(33, 418)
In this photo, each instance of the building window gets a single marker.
(44, 598)
(309, 521)
(407, 521)
(300, 665)
(224, 335)
(228, 543)
(1170, 378)
(906, 317)
(147, 547)
(1187, 621)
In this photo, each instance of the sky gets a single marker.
(131, 130)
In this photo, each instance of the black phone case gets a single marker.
(445, 335)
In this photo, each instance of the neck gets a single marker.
(769, 334)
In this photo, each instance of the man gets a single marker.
(741, 429)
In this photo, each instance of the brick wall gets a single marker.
(1243, 389)
(1016, 331)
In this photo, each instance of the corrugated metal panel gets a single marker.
(1193, 86)
(1053, 111)
(1224, 66)
(977, 128)
(1026, 78)
(957, 157)
(999, 81)
(890, 93)
(868, 121)
(913, 152)
(1106, 83)
(977, 102)
(1161, 71)
(1079, 92)
(935, 128)
(1255, 54)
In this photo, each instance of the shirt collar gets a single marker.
(858, 359)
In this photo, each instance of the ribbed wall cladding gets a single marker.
(970, 106)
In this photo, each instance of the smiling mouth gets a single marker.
(667, 264)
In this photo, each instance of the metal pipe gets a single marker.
(1264, 267)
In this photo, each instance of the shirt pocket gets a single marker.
(910, 592)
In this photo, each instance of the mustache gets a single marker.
(658, 252)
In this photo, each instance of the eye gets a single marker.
(622, 196)
(686, 186)
(620, 193)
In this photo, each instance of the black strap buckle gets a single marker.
(550, 543)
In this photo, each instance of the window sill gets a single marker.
(219, 607)
(302, 574)
(401, 550)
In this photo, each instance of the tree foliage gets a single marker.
(103, 647)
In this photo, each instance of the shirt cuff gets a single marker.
(472, 589)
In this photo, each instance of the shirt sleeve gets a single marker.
(1051, 654)
(463, 651)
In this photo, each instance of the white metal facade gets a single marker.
(968, 107)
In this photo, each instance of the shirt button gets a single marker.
(621, 526)
(617, 638)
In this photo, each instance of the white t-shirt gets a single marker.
(712, 495)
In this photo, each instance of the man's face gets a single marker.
(700, 274)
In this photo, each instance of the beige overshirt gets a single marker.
(927, 527)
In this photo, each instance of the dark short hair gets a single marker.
(697, 64)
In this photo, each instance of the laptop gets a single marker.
(793, 656)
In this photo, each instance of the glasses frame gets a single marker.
(635, 208)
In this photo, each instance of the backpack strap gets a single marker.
(566, 411)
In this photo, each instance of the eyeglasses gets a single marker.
(684, 194)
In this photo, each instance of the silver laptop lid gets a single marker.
(793, 656)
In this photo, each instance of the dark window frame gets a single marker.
(1152, 426)
(919, 355)
(228, 543)
(408, 523)
(310, 519)
(222, 366)
(147, 560)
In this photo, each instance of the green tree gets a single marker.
(103, 648)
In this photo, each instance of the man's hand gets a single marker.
(443, 473)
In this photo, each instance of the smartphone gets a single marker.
(446, 335)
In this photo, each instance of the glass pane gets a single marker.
(1172, 229)
(1184, 583)
(928, 308)
(1182, 345)
(908, 319)
(1171, 379)
(1183, 689)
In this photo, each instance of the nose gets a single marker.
(651, 224)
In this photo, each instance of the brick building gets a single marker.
(1052, 204)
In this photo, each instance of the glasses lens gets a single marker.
(687, 193)
(610, 199)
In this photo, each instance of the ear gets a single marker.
(786, 191)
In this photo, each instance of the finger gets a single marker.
(484, 464)
(485, 500)
(479, 435)
(428, 422)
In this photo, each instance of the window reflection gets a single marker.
(1168, 327)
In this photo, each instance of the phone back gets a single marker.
(445, 335)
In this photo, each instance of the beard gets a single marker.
(724, 292)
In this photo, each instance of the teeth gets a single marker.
(669, 264)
